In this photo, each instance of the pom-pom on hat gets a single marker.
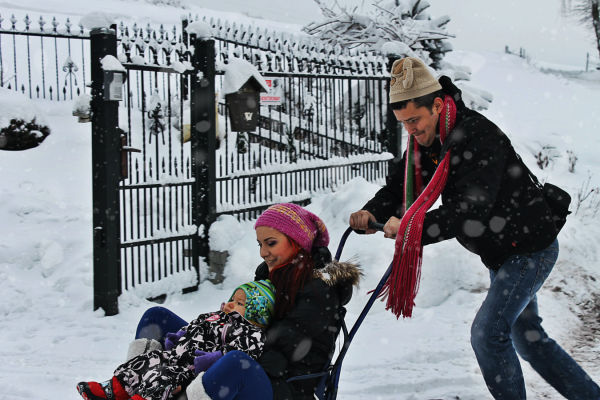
(411, 79)
(260, 301)
(300, 225)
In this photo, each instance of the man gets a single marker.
(492, 206)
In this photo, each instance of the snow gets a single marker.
(81, 105)
(98, 20)
(201, 29)
(18, 106)
(111, 63)
(51, 338)
(237, 72)
(396, 48)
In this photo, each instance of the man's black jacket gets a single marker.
(489, 204)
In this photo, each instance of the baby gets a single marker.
(159, 375)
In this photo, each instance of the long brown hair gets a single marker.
(288, 279)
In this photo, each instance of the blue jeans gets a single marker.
(508, 320)
(157, 322)
(237, 376)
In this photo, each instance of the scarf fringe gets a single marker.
(402, 286)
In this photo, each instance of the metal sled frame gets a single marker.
(328, 384)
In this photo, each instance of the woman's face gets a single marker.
(275, 248)
(237, 303)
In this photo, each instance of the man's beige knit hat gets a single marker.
(411, 79)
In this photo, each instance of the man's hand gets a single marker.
(391, 227)
(360, 220)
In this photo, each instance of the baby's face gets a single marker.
(237, 303)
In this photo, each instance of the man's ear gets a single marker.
(438, 104)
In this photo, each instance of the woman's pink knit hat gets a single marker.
(304, 227)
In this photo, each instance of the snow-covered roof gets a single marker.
(237, 72)
(201, 29)
(111, 63)
(98, 19)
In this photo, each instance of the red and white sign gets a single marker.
(275, 91)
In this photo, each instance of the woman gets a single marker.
(309, 293)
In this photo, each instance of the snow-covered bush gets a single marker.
(82, 108)
(21, 135)
(401, 26)
(171, 3)
(396, 28)
(572, 160)
(587, 202)
(545, 156)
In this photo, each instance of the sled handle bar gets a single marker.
(336, 369)
(378, 226)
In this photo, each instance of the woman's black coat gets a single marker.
(489, 204)
(303, 341)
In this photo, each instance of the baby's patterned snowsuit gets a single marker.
(155, 375)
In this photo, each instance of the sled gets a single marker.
(330, 376)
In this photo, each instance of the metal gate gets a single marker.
(153, 209)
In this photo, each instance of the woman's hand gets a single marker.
(391, 227)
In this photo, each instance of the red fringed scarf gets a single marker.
(403, 283)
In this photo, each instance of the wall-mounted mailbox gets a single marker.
(244, 106)
(113, 85)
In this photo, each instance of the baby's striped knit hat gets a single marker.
(260, 301)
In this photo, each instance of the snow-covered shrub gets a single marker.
(572, 160)
(403, 25)
(21, 135)
(587, 203)
(82, 107)
(396, 28)
(171, 3)
(545, 156)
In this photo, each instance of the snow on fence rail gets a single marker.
(44, 58)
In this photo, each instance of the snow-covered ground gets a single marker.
(50, 338)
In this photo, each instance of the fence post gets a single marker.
(106, 167)
(394, 129)
(587, 62)
(203, 138)
(185, 40)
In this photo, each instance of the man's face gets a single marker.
(420, 122)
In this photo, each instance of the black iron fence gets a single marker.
(324, 122)
(44, 59)
(166, 161)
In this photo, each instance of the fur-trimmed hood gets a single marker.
(339, 273)
(341, 276)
